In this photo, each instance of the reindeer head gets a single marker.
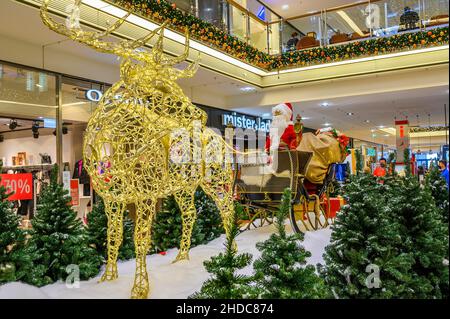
(140, 68)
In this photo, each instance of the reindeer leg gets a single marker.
(114, 212)
(142, 240)
(225, 204)
(186, 203)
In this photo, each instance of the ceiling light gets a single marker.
(247, 89)
(325, 104)
(306, 118)
(367, 121)
(285, 7)
(380, 126)
(327, 124)
(350, 113)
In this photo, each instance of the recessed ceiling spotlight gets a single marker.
(306, 118)
(367, 121)
(325, 104)
(285, 7)
(247, 89)
(327, 124)
(380, 126)
(350, 113)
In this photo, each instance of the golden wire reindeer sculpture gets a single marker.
(146, 141)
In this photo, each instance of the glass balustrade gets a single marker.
(309, 30)
(255, 24)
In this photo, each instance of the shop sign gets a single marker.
(75, 192)
(21, 185)
(49, 123)
(246, 122)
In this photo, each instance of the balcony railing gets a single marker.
(251, 32)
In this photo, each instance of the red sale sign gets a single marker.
(75, 192)
(21, 185)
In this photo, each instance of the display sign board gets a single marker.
(75, 192)
(49, 123)
(66, 181)
(21, 185)
(402, 139)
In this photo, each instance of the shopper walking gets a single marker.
(444, 171)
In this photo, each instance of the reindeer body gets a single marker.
(132, 154)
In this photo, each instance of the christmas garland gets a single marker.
(428, 129)
(162, 10)
(378, 46)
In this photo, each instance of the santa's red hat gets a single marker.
(288, 109)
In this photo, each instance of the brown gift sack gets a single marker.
(326, 151)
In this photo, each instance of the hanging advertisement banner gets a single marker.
(21, 185)
(75, 192)
(402, 139)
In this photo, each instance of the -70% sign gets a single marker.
(20, 185)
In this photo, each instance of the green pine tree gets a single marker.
(424, 236)
(363, 241)
(97, 226)
(167, 228)
(359, 162)
(59, 237)
(225, 283)
(16, 255)
(281, 271)
(437, 185)
(407, 161)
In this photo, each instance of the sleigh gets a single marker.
(259, 188)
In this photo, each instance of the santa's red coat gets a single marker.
(289, 137)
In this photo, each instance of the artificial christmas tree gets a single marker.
(364, 259)
(225, 283)
(424, 236)
(281, 271)
(16, 256)
(59, 238)
(167, 228)
(97, 223)
(437, 186)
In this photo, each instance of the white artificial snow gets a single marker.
(167, 280)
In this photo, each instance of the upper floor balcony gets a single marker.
(250, 31)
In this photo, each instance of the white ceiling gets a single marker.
(380, 109)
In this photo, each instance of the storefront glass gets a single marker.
(28, 111)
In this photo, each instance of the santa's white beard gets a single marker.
(277, 127)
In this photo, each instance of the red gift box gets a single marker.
(335, 205)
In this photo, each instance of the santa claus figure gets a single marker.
(282, 134)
